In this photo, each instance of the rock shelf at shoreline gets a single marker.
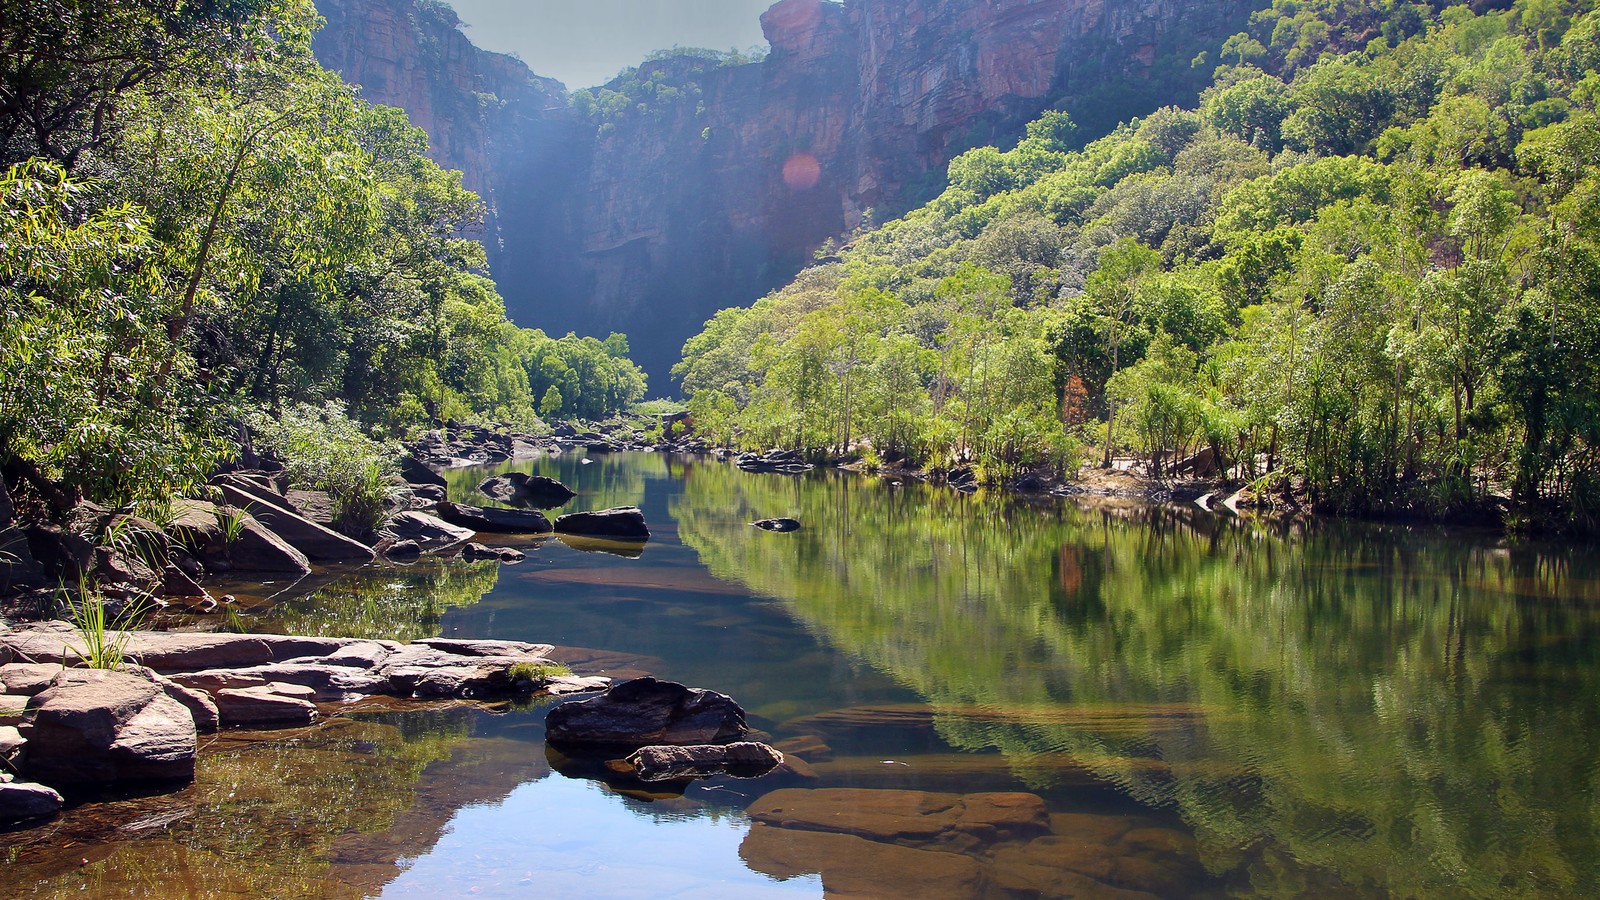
(71, 727)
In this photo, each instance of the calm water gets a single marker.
(1206, 707)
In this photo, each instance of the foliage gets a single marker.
(102, 637)
(324, 449)
(197, 221)
(1365, 265)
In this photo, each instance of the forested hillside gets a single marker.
(199, 226)
(1364, 272)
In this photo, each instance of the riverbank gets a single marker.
(83, 712)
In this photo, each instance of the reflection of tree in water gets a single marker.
(395, 603)
(326, 812)
(1406, 710)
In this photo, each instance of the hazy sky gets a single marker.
(585, 42)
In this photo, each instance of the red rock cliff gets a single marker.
(709, 184)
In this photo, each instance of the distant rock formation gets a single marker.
(718, 182)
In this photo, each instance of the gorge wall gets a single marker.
(690, 184)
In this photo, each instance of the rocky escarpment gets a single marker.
(691, 184)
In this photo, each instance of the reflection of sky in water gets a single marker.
(557, 837)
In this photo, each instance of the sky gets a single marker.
(584, 43)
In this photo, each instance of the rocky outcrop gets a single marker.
(229, 539)
(645, 712)
(648, 218)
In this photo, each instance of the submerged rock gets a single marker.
(851, 866)
(923, 819)
(663, 763)
(99, 727)
(645, 712)
(624, 522)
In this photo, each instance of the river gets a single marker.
(1204, 706)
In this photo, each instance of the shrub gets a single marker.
(324, 449)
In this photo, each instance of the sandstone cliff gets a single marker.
(692, 184)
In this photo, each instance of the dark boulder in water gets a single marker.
(646, 712)
(531, 490)
(623, 522)
(493, 520)
(782, 526)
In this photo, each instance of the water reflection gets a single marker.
(1203, 706)
(1335, 705)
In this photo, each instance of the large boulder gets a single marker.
(494, 520)
(430, 532)
(97, 727)
(644, 712)
(851, 866)
(623, 523)
(25, 800)
(318, 543)
(532, 490)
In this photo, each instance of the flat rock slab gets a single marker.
(262, 705)
(25, 800)
(168, 652)
(623, 522)
(645, 712)
(99, 727)
(923, 819)
(27, 679)
(325, 682)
